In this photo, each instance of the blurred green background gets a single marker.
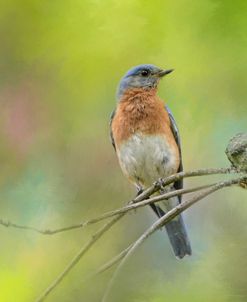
(60, 63)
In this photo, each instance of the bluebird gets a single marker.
(146, 139)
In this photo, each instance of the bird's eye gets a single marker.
(145, 72)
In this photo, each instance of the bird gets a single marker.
(146, 139)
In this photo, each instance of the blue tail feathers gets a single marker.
(178, 237)
(177, 234)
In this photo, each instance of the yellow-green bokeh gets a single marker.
(60, 63)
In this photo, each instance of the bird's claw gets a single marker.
(159, 184)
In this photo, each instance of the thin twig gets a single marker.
(201, 172)
(85, 248)
(121, 255)
(118, 257)
(155, 199)
(107, 226)
(118, 215)
(78, 256)
(131, 206)
(110, 263)
(151, 190)
(164, 220)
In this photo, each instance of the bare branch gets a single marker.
(164, 220)
(160, 197)
(118, 215)
(175, 177)
(78, 256)
(110, 263)
(118, 257)
(154, 188)
(140, 201)
(236, 152)
(99, 233)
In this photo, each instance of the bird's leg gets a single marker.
(139, 190)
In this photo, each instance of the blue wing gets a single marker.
(178, 184)
(176, 229)
(111, 135)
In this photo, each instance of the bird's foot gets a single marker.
(159, 184)
(139, 191)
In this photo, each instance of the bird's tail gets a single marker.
(178, 237)
(176, 232)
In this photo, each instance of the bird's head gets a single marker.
(145, 76)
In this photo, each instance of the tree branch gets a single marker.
(236, 152)
(151, 190)
(161, 222)
(78, 256)
(126, 252)
(120, 213)
(139, 201)
(110, 263)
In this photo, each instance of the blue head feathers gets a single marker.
(142, 76)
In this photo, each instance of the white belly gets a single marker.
(144, 159)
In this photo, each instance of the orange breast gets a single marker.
(141, 110)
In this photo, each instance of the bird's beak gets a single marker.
(162, 73)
